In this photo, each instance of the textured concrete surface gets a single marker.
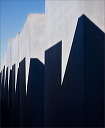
(79, 101)
(61, 19)
(43, 31)
(32, 40)
(29, 43)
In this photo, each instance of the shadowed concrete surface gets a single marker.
(22, 86)
(10, 99)
(2, 100)
(29, 43)
(17, 103)
(73, 82)
(94, 41)
(83, 83)
(82, 92)
(13, 96)
(76, 102)
(35, 94)
(6, 98)
(52, 96)
(68, 91)
(62, 24)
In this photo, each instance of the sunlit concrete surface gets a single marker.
(37, 60)
(29, 43)
(32, 39)
(61, 20)
(42, 31)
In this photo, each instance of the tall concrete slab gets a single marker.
(31, 39)
(13, 96)
(35, 94)
(79, 102)
(2, 99)
(52, 86)
(74, 74)
(73, 82)
(17, 102)
(94, 41)
(83, 83)
(10, 100)
(27, 43)
(22, 84)
(6, 100)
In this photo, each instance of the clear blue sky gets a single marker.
(13, 14)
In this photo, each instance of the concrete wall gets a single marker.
(43, 31)
(9, 56)
(28, 43)
(61, 21)
(32, 39)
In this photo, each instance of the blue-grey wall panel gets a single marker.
(6, 100)
(93, 74)
(2, 100)
(22, 86)
(80, 100)
(17, 102)
(13, 95)
(73, 82)
(83, 83)
(35, 94)
(52, 85)
(10, 99)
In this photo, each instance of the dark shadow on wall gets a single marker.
(35, 94)
(10, 100)
(22, 91)
(6, 99)
(17, 102)
(52, 95)
(83, 83)
(24, 110)
(80, 100)
(13, 96)
(2, 99)
(73, 82)
(85, 75)
(94, 41)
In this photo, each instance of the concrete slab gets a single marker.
(52, 91)
(22, 84)
(35, 94)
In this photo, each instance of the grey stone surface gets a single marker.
(61, 19)
(43, 31)
(29, 43)
(79, 102)
(39, 33)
